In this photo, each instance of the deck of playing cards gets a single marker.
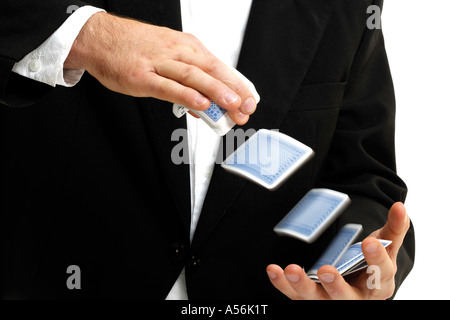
(268, 158)
(353, 258)
(339, 254)
(345, 237)
(215, 116)
(313, 214)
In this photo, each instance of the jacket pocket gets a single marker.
(320, 96)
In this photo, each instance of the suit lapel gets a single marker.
(161, 125)
(158, 119)
(280, 41)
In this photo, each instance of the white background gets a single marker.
(417, 35)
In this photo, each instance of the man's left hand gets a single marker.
(295, 284)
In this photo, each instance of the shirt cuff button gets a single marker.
(34, 65)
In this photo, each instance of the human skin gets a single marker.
(143, 60)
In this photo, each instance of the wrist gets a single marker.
(83, 51)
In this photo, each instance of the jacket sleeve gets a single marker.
(361, 161)
(24, 25)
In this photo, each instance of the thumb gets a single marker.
(395, 228)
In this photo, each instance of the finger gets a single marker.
(172, 91)
(238, 85)
(279, 281)
(376, 255)
(395, 228)
(335, 285)
(305, 288)
(220, 71)
(238, 117)
(195, 78)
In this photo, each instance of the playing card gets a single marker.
(268, 158)
(313, 214)
(345, 237)
(215, 112)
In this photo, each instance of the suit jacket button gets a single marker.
(177, 251)
(194, 264)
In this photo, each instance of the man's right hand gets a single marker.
(144, 60)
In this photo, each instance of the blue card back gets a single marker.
(313, 214)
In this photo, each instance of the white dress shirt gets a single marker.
(218, 24)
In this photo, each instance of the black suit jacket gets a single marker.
(87, 177)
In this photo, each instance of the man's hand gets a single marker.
(295, 284)
(143, 60)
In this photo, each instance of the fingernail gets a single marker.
(230, 97)
(372, 248)
(272, 275)
(293, 277)
(326, 277)
(201, 100)
(249, 105)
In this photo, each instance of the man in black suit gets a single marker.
(88, 180)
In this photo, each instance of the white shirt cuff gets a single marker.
(46, 63)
